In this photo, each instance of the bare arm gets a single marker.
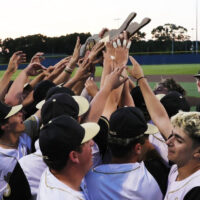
(97, 105)
(70, 63)
(16, 59)
(155, 108)
(14, 95)
(126, 98)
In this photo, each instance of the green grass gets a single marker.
(159, 70)
(153, 69)
(164, 69)
(171, 69)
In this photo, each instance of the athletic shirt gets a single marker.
(122, 181)
(51, 188)
(8, 158)
(160, 145)
(33, 167)
(189, 188)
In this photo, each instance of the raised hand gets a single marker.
(91, 87)
(33, 69)
(95, 51)
(115, 78)
(83, 71)
(76, 53)
(16, 59)
(136, 71)
(38, 58)
(121, 52)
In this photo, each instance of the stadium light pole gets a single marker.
(196, 26)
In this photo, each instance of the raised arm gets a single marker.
(112, 81)
(126, 98)
(70, 63)
(14, 95)
(16, 59)
(155, 108)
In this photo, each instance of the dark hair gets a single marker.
(60, 161)
(2, 122)
(171, 85)
(124, 150)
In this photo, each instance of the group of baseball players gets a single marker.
(63, 137)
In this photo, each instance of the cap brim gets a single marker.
(82, 103)
(14, 110)
(197, 76)
(152, 129)
(40, 104)
(160, 96)
(91, 130)
(26, 84)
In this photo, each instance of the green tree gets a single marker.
(170, 32)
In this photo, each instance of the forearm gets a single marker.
(4, 82)
(155, 108)
(28, 100)
(63, 77)
(112, 102)
(78, 87)
(97, 105)
(106, 70)
(14, 95)
(71, 83)
(36, 80)
(127, 99)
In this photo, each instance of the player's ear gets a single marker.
(196, 154)
(73, 156)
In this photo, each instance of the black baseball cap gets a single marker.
(8, 111)
(41, 90)
(129, 122)
(58, 89)
(60, 104)
(197, 75)
(63, 134)
(52, 91)
(173, 102)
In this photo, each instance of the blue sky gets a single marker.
(61, 17)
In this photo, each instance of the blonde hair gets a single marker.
(189, 122)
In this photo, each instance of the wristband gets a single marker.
(139, 79)
(67, 71)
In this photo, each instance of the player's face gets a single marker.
(180, 147)
(198, 84)
(16, 124)
(145, 148)
(85, 157)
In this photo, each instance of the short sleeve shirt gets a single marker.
(179, 189)
(51, 188)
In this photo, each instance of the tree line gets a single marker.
(165, 39)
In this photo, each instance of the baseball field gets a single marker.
(182, 73)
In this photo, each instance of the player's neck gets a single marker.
(9, 140)
(187, 170)
(69, 177)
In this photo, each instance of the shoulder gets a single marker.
(193, 194)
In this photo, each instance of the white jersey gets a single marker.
(8, 160)
(160, 145)
(33, 166)
(96, 157)
(122, 181)
(177, 190)
(51, 188)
